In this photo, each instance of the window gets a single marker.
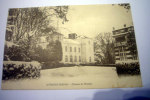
(122, 56)
(74, 49)
(75, 58)
(70, 49)
(71, 58)
(89, 59)
(122, 53)
(66, 58)
(89, 42)
(120, 39)
(79, 59)
(66, 48)
(79, 49)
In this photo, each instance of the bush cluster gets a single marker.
(17, 70)
(15, 52)
(128, 68)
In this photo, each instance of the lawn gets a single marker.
(77, 77)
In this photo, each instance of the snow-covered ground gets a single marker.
(75, 78)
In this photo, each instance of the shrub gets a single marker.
(14, 52)
(52, 54)
(18, 69)
(128, 68)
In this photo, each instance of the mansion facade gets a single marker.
(75, 49)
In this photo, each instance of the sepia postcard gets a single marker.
(71, 47)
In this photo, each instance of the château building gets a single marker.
(75, 49)
(125, 45)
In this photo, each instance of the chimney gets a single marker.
(124, 25)
(113, 28)
(72, 36)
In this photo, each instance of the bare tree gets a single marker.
(25, 25)
(28, 22)
(104, 48)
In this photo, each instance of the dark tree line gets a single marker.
(49, 57)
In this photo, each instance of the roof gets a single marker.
(122, 28)
(56, 33)
(71, 41)
(83, 37)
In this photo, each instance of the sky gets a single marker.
(90, 20)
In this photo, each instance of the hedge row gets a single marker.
(17, 70)
(128, 68)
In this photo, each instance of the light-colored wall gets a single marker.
(86, 51)
(85, 44)
(72, 53)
